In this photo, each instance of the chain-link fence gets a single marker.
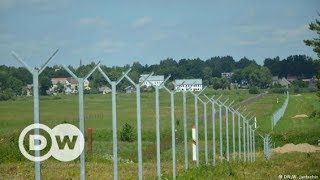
(280, 112)
(239, 125)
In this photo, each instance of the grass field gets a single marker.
(15, 115)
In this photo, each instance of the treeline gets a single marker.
(14, 79)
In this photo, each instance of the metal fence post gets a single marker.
(233, 138)
(114, 118)
(36, 109)
(81, 127)
(239, 135)
(81, 113)
(214, 133)
(114, 130)
(138, 102)
(254, 146)
(248, 141)
(213, 115)
(185, 129)
(227, 131)
(205, 130)
(158, 125)
(244, 138)
(197, 126)
(220, 125)
(35, 76)
(158, 132)
(251, 143)
(173, 137)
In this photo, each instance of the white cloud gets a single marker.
(87, 21)
(270, 34)
(109, 46)
(141, 22)
(32, 50)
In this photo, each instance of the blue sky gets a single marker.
(119, 33)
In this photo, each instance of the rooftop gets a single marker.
(187, 81)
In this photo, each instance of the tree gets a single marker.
(59, 88)
(315, 42)
(215, 82)
(44, 85)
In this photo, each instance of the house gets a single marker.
(188, 84)
(227, 75)
(70, 85)
(27, 90)
(104, 90)
(292, 78)
(283, 81)
(130, 89)
(312, 82)
(86, 84)
(152, 80)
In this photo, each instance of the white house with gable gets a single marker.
(154, 80)
(188, 84)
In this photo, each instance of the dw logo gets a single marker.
(67, 142)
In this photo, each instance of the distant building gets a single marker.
(152, 80)
(104, 90)
(292, 78)
(70, 85)
(27, 90)
(227, 75)
(283, 81)
(130, 89)
(188, 84)
(311, 82)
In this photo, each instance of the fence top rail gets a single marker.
(223, 103)
(18, 58)
(104, 75)
(94, 69)
(47, 62)
(123, 76)
(203, 102)
(75, 76)
(145, 78)
(231, 103)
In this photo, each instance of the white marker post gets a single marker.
(194, 144)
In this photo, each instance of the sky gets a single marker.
(119, 33)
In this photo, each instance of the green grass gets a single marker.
(15, 115)
(281, 164)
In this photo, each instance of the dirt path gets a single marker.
(252, 99)
(305, 147)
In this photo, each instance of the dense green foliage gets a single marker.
(127, 133)
(245, 73)
(315, 43)
(297, 65)
(254, 90)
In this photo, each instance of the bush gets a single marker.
(127, 133)
(297, 89)
(6, 95)
(280, 90)
(254, 90)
